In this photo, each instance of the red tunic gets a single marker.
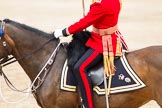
(101, 15)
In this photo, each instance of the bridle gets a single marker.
(6, 60)
(6, 49)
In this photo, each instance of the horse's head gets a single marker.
(5, 48)
(22, 41)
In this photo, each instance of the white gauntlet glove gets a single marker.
(58, 33)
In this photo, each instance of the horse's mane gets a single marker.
(76, 47)
(26, 27)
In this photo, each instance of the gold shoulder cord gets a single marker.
(120, 1)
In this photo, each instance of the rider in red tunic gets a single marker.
(103, 16)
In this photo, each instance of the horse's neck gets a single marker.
(25, 44)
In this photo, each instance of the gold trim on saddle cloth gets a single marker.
(108, 54)
(64, 85)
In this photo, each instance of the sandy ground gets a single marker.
(140, 22)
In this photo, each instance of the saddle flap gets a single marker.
(97, 74)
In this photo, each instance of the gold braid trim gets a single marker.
(121, 3)
(93, 1)
(108, 55)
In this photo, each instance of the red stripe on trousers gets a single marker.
(84, 77)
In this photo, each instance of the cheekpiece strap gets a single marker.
(2, 28)
(1, 32)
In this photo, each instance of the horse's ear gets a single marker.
(7, 20)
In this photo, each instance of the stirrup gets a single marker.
(82, 106)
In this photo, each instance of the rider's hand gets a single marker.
(58, 33)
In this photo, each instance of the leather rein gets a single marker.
(6, 60)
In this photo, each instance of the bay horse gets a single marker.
(22, 41)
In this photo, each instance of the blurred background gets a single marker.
(140, 23)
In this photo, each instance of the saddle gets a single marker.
(125, 79)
